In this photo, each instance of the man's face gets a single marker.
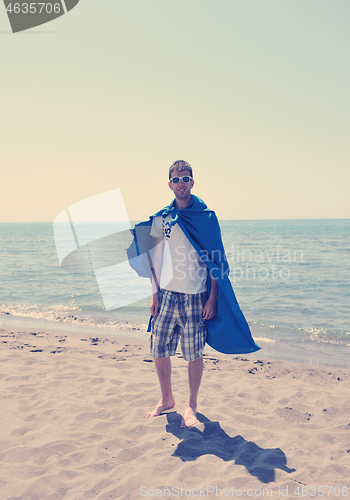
(181, 190)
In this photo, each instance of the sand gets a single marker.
(73, 426)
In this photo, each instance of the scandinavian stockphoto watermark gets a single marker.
(24, 15)
(244, 264)
(94, 236)
(262, 264)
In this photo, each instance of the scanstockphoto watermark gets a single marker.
(330, 491)
(206, 491)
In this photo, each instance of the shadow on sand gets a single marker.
(213, 440)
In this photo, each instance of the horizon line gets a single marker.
(238, 220)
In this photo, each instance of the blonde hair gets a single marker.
(180, 166)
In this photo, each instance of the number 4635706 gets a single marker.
(33, 8)
(333, 491)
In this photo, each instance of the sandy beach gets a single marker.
(73, 426)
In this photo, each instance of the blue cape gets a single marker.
(228, 331)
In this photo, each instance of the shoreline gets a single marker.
(43, 339)
(277, 349)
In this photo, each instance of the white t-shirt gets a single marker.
(182, 269)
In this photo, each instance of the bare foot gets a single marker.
(167, 405)
(190, 417)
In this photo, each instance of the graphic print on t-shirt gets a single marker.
(166, 228)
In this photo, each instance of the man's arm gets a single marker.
(157, 260)
(211, 306)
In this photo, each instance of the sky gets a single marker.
(254, 94)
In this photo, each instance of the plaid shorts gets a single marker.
(180, 315)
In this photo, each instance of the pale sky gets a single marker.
(254, 94)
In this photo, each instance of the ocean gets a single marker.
(291, 279)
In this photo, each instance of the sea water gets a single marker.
(291, 279)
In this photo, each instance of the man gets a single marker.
(180, 249)
(180, 304)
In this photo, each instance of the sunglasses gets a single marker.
(186, 179)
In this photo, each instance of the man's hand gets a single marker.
(210, 308)
(154, 305)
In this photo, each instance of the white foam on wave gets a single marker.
(38, 311)
(266, 340)
(324, 334)
(66, 314)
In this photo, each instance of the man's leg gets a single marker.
(192, 344)
(195, 371)
(163, 341)
(163, 367)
